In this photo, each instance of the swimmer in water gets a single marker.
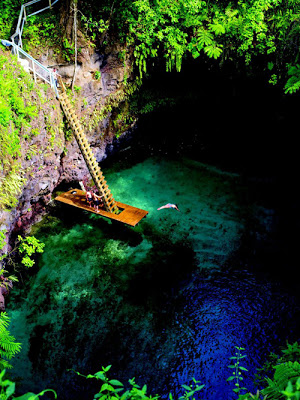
(169, 205)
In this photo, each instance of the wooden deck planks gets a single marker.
(129, 215)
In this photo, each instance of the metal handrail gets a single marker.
(17, 36)
(32, 65)
(38, 69)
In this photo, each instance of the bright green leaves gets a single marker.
(293, 82)
(9, 9)
(292, 391)
(8, 345)
(217, 28)
(112, 389)
(28, 246)
(17, 110)
(239, 30)
(237, 368)
(7, 389)
(213, 51)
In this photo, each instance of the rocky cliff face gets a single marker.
(48, 158)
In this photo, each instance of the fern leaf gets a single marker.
(289, 371)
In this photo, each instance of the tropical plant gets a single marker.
(112, 389)
(237, 370)
(292, 391)
(291, 352)
(8, 345)
(7, 389)
(17, 110)
(284, 373)
(24, 247)
(240, 31)
(28, 246)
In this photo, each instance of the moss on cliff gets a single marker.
(21, 102)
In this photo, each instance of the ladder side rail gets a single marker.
(109, 202)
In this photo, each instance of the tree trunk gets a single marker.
(75, 42)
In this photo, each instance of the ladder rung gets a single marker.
(109, 198)
(91, 162)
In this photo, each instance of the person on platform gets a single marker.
(97, 201)
(89, 198)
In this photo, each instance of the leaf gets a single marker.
(108, 387)
(190, 393)
(98, 375)
(213, 51)
(242, 368)
(11, 389)
(217, 28)
(186, 387)
(231, 378)
(26, 396)
(115, 382)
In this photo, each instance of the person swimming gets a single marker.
(169, 205)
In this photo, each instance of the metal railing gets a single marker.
(30, 64)
(25, 13)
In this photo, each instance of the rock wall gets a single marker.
(58, 160)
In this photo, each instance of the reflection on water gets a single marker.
(163, 302)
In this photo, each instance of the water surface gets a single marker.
(162, 302)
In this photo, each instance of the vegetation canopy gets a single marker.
(245, 30)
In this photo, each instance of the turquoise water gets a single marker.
(161, 302)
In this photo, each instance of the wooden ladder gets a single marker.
(91, 162)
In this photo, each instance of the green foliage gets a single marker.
(237, 370)
(293, 83)
(17, 110)
(69, 49)
(284, 373)
(292, 391)
(250, 396)
(2, 240)
(28, 246)
(7, 389)
(97, 75)
(9, 10)
(291, 352)
(8, 345)
(41, 30)
(93, 27)
(25, 248)
(238, 31)
(112, 389)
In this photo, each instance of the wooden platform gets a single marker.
(129, 215)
